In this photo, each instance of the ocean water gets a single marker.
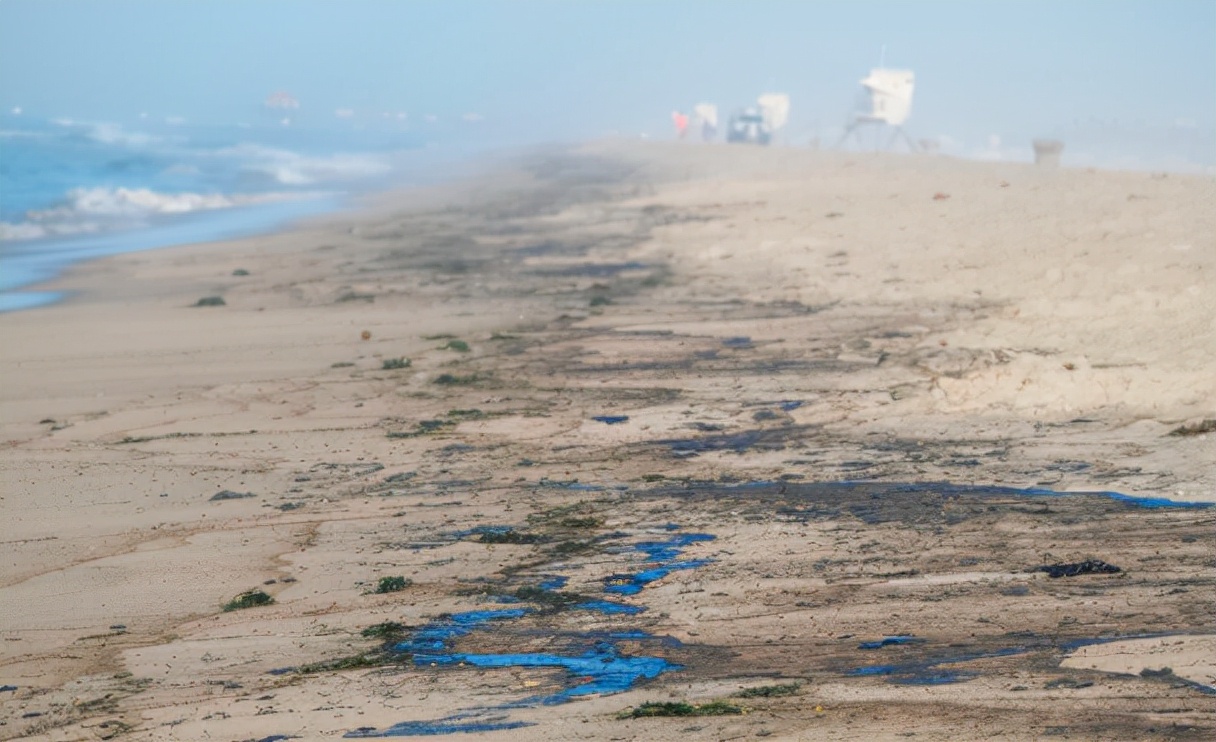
(73, 190)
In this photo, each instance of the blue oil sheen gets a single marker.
(439, 634)
(454, 725)
(555, 582)
(665, 555)
(889, 641)
(610, 608)
(934, 678)
(601, 670)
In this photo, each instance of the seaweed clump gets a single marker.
(248, 599)
(393, 584)
(770, 691)
(682, 708)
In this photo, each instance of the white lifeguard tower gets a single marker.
(705, 118)
(886, 102)
(775, 108)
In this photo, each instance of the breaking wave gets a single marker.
(89, 210)
(289, 168)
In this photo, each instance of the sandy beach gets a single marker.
(777, 436)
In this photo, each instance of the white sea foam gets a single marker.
(107, 133)
(294, 169)
(88, 210)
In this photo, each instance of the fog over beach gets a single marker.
(654, 371)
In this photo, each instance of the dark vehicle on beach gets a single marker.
(748, 127)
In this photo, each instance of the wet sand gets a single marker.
(889, 388)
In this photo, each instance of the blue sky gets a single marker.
(573, 69)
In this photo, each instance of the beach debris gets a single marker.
(231, 495)
(610, 419)
(393, 364)
(939, 196)
(1087, 567)
(210, 301)
(1199, 428)
(1047, 152)
(8, 689)
(248, 599)
(366, 335)
(739, 341)
(240, 272)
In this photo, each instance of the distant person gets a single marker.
(708, 131)
(681, 122)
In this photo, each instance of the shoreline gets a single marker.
(603, 348)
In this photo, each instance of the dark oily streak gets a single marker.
(930, 671)
(890, 641)
(740, 442)
(593, 270)
(1087, 567)
(866, 499)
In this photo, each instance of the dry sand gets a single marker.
(769, 321)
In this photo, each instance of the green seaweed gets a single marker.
(770, 691)
(508, 537)
(581, 523)
(459, 346)
(387, 631)
(394, 584)
(1199, 428)
(392, 364)
(353, 662)
(682, 708)
(548, 598)
(453, 379)
(248, 599)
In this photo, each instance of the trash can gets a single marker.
(1047, 152)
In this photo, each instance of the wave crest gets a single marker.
(294, 169)
(87, 210)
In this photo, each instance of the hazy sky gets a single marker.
(584, 68)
